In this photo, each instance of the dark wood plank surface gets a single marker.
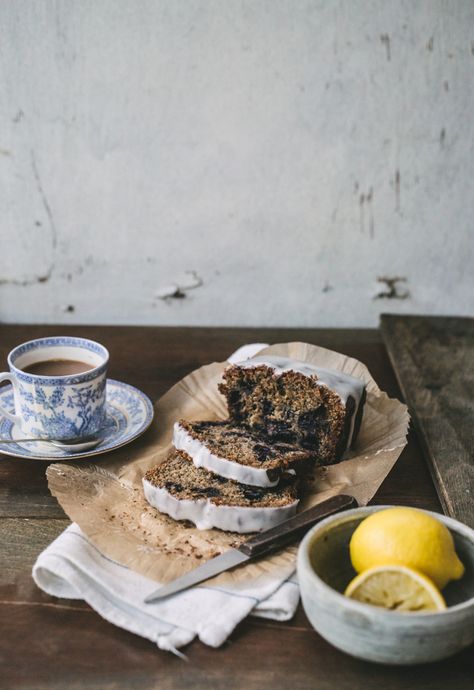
(433, 359)
(61, 644)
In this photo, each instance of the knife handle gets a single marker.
(290, 530)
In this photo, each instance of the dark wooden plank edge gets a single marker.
(388, 328)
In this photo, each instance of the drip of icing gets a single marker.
(206, 515)
(339, 382)
(203, 457)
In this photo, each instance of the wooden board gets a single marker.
(433, 358)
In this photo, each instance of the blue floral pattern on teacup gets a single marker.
(60, 407)
(128, 413)
(47, 407)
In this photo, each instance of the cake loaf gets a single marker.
(184, 492)
(294, 402)
(239, 454)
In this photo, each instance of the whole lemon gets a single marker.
(409, 537)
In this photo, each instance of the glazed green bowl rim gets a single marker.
(304, 562)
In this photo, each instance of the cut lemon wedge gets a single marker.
(397, 588)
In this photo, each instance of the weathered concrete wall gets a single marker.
(235, 162)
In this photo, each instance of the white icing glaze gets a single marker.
(338, 381)
(206, 515)
(203, 457)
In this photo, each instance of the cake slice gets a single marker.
(184, 492)
(295, 402)
(239, 454)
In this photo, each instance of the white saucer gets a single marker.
(129, 413)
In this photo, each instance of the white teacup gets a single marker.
(59, 387)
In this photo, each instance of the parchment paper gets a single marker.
(106, 499)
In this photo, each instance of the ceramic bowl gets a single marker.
(371, 632)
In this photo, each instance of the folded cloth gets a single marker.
(73, 568)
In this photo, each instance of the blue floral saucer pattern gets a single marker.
(129, 412)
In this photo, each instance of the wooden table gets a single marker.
(56, 643)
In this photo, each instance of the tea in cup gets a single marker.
(58, 387)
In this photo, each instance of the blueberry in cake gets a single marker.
(294, 402)
(179, 489)
(239, 454)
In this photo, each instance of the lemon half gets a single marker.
(407, 537)
(397, 588)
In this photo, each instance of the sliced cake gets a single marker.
(184, 492)
(239, 454)
(294, 402)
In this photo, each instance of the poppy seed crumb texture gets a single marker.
(238, 453)
(243, 474)
(295, 402)
(179, 489)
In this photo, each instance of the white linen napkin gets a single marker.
(73, 568)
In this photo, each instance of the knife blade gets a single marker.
(261, 544)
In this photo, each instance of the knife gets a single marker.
(262, 544)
